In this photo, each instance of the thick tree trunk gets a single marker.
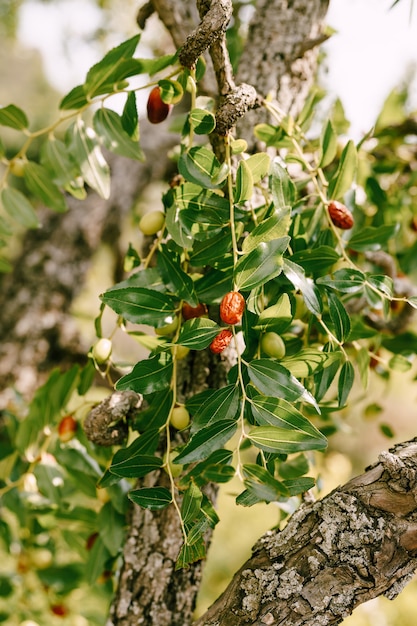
(357, 543)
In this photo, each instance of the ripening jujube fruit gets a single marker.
(221, 341)
(67, 428)
(273, 345)
(180, 417)
(152, 222)
(340, 215)
(189, 312)
(232, 307)
(157, 109)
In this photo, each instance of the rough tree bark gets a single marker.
(357, 543)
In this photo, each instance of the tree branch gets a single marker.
(357, 543)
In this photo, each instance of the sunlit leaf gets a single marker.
(345, 174)
(40, 184)
(147, 376)
(152, 498)
(261, 264)
(13, 117)
(206, 440)
(109, 128)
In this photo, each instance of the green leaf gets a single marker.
(203, 122)
(179, 233)
(328, 145)
(274, 227)
(57, 159)
(272, 379)
(152, 498)
(345, 281)
(208, 251)
(283, 441)
(270, 411)
(309, 361)
(171, 91)
(259, 165)
(86, 152)
(153, 66)
(346, 378)
(75, 99)
(324, 378)
(147, 376)
(213, 285)
(282, 187)
(200, 166)
(156, 414)
(191, 503)
(169, 263)
(191, 553)
(315, 259)
(198, 333)
(296, 276)
(215, 468)
(363, 359)
(261, 484)
(339, 316)
(345, 174)
(383, 283)
(112, 528)
(96, 563)
(277, 317)
(206, 440)
(13, 117)
(222, 404)
(372, 237)
(146, 443)
(412, 301)
(399, 363)
(112, 68)
(38, 181)
(140, 305)
(130, 118)
(261, 264)
(296, 486)
(109, 128)
(19, 207)
(244, 183)
(137, 466)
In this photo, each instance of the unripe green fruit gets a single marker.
(300, 307)
(168, 329)
(180, 417)
(17, 167)
(273, 345)
(102, 350)
(152, 222)
(174, 469)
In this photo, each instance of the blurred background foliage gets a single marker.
(55, 569)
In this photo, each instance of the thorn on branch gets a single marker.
(106, 424)
(216, 16)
